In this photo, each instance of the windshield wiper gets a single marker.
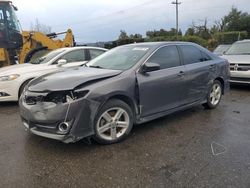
(95, 66)
(244, 54)
(237, 53)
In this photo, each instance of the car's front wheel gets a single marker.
(214, 95)
(113, 122)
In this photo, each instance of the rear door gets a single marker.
(160, 90)
(199, 67)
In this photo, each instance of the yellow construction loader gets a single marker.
(23, 46)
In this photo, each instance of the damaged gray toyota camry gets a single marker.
(128, 85)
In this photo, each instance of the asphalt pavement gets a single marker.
(192, 148)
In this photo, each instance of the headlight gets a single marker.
(9, 77)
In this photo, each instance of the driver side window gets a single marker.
(74, 56)
(166, 57)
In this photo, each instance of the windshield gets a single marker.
(240, 48)
(47, 58)
(221, 49)
(120, 58)
(8, 16)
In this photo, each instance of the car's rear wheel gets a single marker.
(214, 95)
(113, 122)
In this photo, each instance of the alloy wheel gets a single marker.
(113, 124)
(215, 94)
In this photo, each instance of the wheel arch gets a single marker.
(221, 80)
(22, 84)
(126, 99)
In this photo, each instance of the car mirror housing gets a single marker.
(61, 62)
(149, 67)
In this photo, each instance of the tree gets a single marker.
(235, 20)
(190, 32)
(163, 33)
(136, 36)
(38, 26)
(202, 30)
(180, 32)
(123, 35)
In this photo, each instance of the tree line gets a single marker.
(230, 28)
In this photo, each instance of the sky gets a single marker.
(102, 20)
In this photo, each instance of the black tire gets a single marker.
(209, 104)
(113, 104)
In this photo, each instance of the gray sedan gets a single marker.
(128, 85)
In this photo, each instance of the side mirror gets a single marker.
(149, 67)
(61, 62)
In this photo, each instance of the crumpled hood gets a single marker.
(68, 79)
(21, 69)
(238, 59)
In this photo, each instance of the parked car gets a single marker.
(239, 58)
(221, 49)
(14, 78)
(128, 85)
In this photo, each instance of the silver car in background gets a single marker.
(239, 58)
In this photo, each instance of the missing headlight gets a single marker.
(64, 96)
(57, 97)
(80, 94)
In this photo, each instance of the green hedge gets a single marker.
(123, 42)
(129, 41)
(230, 37)
(194, 39)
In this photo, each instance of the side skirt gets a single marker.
(162, 114)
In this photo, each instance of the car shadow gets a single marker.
(240, 87)
(8, 104)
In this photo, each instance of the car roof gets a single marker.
(243, 41)
(157, 44)
(82, 47)
(224, 45)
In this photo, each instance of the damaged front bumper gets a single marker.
(66, 122)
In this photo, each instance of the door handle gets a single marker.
(181, 73)
(212, 66)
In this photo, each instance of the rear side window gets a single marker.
(74, 56)
(191, 54)
(95, 53)
(166, 57)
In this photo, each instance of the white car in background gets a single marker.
(221, 49)
(14, 78)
